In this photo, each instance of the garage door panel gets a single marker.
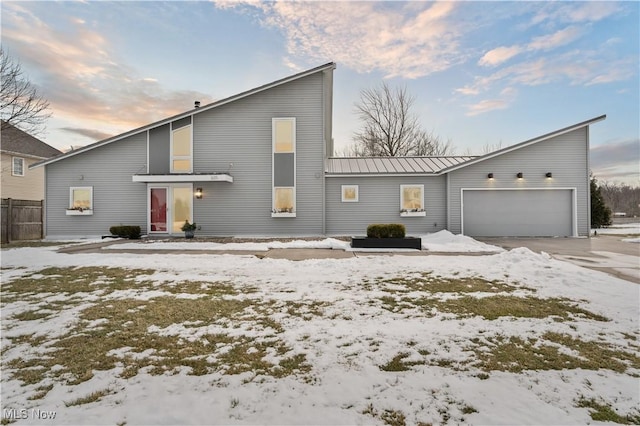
(516, 213)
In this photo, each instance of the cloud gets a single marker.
(617, 162)
(616, 154)
(546, 42)
(507, 96)
(499, 55)
(90, 133)
(557, 39)
(81, 77)
(575, 12)
(407, 40)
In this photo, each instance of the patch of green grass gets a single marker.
(41, 392)
(123, 337)
(393, 418)
(604, 413)
(70, 281)
(516, 354)
(398, 363)
(425, 282)
(92, 397)
(33, 315)
(494, 307)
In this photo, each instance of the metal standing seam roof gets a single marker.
(393, 165)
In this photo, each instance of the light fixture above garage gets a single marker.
(520, 175)
(198, 193)
(549, 175)
(490, 176)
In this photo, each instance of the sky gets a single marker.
(483, 74)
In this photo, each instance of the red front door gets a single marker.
(158, 209)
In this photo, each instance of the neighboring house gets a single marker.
(19, 151)
(260, 164)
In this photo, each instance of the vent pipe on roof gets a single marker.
(196, 104)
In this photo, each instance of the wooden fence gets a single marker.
(21, 220)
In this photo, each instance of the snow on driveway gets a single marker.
(345, 345)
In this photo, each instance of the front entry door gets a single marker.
(158, 210)
(169, 207)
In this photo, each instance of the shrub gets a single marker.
(389, 230)
(126, 231)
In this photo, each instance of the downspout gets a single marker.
(588, 190)
(448, 203)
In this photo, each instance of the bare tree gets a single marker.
(20, 103)
(390, 129)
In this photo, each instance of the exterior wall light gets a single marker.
(490, 176)
(198, 193)
(520, 175)
(549, 175)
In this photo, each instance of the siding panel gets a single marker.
(565, 156)
(237, 138)
(379, 202)
(116, 199)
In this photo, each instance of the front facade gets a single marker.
(19, 151)
(259, 164)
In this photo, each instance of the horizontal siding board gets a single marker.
(237, 138)
(379, 202)
(116, 199)
(565, 156)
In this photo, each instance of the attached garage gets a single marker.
(518, 212)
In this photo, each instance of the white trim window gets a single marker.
(412, 200)
(283, 134)
(350, 194)
(182, 150)
(17, 166)
(80, 201)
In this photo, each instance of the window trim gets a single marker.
(412, 212)
(173, 158)
(273, 134)
(357, 191)
(274, 212)
(80, 212)
(13, 166)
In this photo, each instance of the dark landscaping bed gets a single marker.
(404, 243)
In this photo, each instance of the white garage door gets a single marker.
(517, 213)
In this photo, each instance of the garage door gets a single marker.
(518, 213)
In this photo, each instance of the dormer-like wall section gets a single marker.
(171, 147)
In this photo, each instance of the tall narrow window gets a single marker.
(181, 159)
(284, 167)
(17, 166)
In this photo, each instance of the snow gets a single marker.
(619, 229)
(442, 241)
(339, 343)
(631, 240)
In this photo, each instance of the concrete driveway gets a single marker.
(606, 253)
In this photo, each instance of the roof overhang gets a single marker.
(203, 177)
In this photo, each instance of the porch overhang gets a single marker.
(191, 177)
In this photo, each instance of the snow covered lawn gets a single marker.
(619, 229)
(508, 338)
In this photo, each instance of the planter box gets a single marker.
(404, 243)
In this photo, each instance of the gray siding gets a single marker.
(565, 156)
(159, 147)
(236, 137)
(116, 199)
(379, 202)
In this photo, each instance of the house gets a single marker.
(19, 150)
(260, 163)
